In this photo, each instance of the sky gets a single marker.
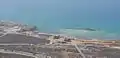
(52, 15)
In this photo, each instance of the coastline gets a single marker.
(86, 33)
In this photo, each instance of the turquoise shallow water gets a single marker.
(56, 15)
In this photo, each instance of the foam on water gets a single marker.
(100, 34)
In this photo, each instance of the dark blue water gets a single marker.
(54, 15)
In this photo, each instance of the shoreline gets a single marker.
(11, 27)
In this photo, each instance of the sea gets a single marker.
(64, 16)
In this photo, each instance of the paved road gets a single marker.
(15, 44)
(18, 52)
(79, 50)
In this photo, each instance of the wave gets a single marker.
(90, 33)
